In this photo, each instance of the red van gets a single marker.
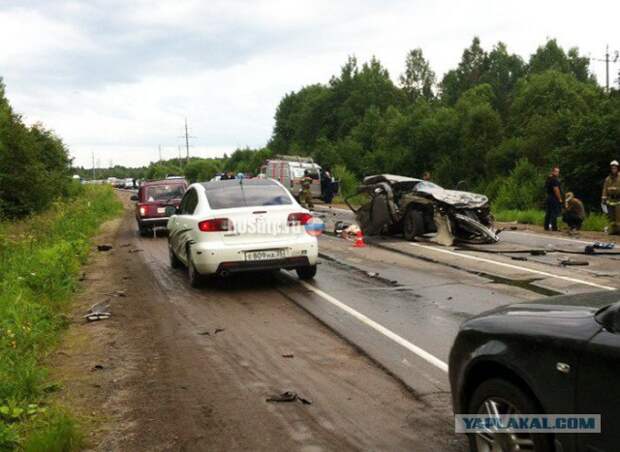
(157, 200)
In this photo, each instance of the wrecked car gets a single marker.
(414, 207)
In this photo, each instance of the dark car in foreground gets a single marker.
(157, 201)
(560, 355)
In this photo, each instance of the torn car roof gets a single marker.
(390, 178)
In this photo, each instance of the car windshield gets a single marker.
(425, 185)
(299, 172)
(164, 192)
(245, 195)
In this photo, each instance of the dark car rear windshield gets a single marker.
(232, 194)
(164, 192)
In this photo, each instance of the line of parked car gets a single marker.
(228, 226)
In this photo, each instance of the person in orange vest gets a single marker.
(306, 194)
(610, 198)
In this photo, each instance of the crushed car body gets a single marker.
(414, 207)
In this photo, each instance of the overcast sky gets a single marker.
(118, 77)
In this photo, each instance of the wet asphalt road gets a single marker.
(402, 303)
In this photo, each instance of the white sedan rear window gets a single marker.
(245, 195)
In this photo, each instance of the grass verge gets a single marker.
(40, 258)
(593, 221)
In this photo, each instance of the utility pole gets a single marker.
(93, 156)
(608, 59)
(186, 143)
(187, 136)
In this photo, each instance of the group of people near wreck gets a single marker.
(571, 208)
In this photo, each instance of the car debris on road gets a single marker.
(99, 311)
(288, 396)
(414, 207)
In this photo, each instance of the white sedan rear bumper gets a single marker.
(219, 257)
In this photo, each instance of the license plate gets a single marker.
(264, 255)
(161, 210)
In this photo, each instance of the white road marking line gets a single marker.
(426, 356)
(514, 267)
(542, 236)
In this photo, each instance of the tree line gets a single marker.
(495, 124)
(34, 164)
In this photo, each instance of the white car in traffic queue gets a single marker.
(230, 226)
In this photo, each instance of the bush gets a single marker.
(29, 157)
(348, 182)
(522, 189)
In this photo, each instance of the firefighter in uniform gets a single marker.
(611, 197)
(306, 195)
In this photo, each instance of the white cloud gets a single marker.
(119, 77)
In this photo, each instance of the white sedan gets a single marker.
(229, 226)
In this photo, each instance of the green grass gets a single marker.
(593, 221)
(40, 258)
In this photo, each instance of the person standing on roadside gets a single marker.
(426, 176)
(553, 204)
(327, 186)
(306, 194)
(611, 198)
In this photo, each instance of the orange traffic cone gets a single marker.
(359, 240)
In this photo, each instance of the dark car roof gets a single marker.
(214, 185)
(164, 182)
(583, 302)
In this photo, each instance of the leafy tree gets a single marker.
(202, 170)
(468, 74)
(418, 79)
(553, 57)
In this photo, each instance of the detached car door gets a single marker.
(598, 391)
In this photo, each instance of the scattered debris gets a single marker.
(136, 250)
(99, 311)
(449, 298)
(207, 333)
(604, 245)
(573, 262)
(372, 274)
(538, 253)
(116, 293)
(518, 258)
(105, 247)
(589, 249)
(125, 245)
(514, 228)
(289, 396)
(97, 367)
(82, 277)
(288, 355)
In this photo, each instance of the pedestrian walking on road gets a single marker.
(306, 194)
(574, 213)
(553, 204)
(610, 198)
